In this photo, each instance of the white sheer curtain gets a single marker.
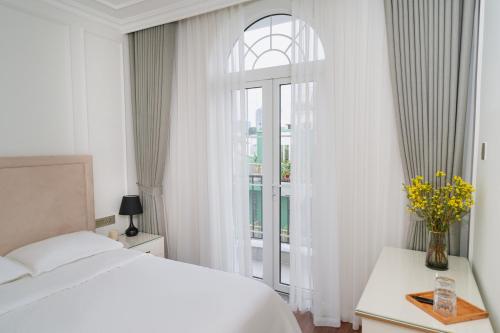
(346, 175)
(206, 196)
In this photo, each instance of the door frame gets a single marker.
(277, 83)
(271, 173)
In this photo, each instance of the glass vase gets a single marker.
(437, 251)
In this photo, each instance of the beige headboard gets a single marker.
(41, 197)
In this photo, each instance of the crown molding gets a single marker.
(175, 12)
(120, 6)
(169, 13)
(86, 12)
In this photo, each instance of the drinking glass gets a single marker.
(445, 299)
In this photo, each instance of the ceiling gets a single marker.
(132, 15)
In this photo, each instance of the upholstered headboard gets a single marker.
(44, 196)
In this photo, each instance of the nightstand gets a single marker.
(144, 242)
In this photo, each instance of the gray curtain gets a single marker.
(151, 70)
(431, 54)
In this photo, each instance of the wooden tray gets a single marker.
(465, 310)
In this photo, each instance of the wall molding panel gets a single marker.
(32, 46)
(62, 91)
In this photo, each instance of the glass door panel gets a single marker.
(255, 167)
(268, 105)
(285, 99)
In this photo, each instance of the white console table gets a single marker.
(384, 309)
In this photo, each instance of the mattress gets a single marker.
(129, 291)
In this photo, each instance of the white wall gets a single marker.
(62, 91)
(486, 234)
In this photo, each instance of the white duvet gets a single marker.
(128, 291)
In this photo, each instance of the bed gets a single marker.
(118, 290)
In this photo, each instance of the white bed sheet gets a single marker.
(128, 291)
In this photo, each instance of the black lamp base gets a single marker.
(131, 230)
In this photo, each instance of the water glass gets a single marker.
(445, 298)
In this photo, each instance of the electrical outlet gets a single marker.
(104, 221)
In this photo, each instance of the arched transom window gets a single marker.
(272, 41)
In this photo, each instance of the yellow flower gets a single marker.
(440, 173)
(440, 205)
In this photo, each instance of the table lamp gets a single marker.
(131, 205)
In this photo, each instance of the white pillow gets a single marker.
(11, 270)
(53, 252)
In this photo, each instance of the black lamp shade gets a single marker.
(131, 205)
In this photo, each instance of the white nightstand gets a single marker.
(384, 308)
(144, 242)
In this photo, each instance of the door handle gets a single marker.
(276, 189)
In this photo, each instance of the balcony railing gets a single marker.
(256, 211)
(256, 233)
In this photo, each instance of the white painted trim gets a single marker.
(120, 6)
(131, 170)
(174, 13)
(52, 10)
(166, 14)
(267, 190)
(268, 73)
(123, 119)
(79, 88)
(88, 13)
(270, 243)
(277, 181)
(476, 144)
(75, 50)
